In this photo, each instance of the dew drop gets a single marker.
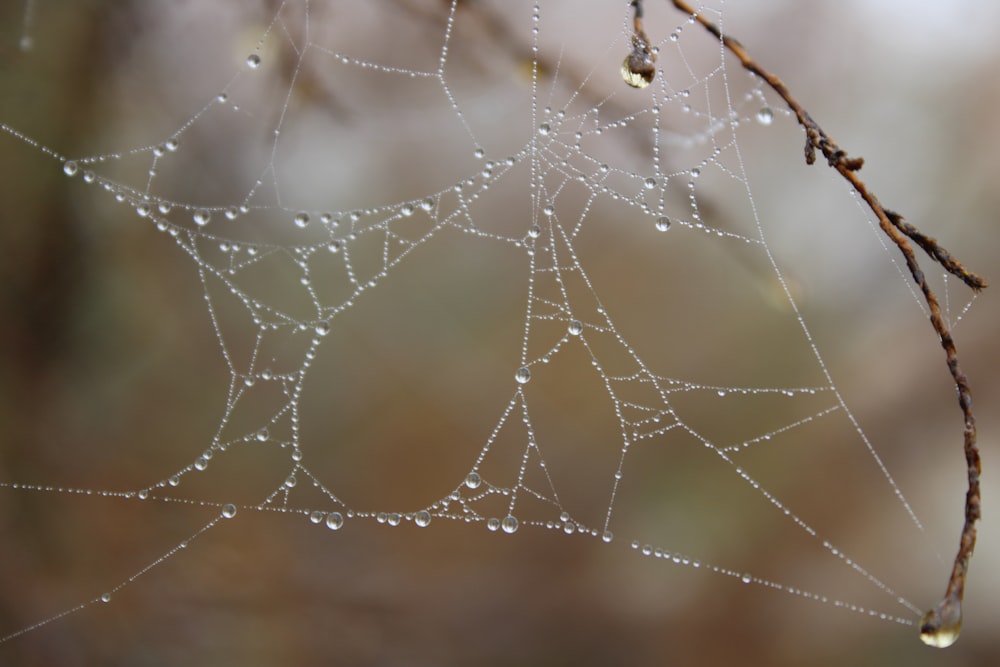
(174, 480)
(765, 116)
(493, 524)
(171, 144)
(334, 246)
(89, 176)
(407, 210)
(262, 435)
(473, 480)
(316, 517)
(549, 210)
(334, 520)
(290, 482)
(143, 494)
(394, 519)
(637, 69)
(544, 129)
(228, 510)
(70, 168)
(509, 524)
(663, 223)
(422, 519)
(695, 172)
(479, 153)
(301, 219)
(322, 328)
(941, 626)
(105, 597)
(253, 61)
(427, 204)
(522, 375)
(650, 183)
(201, 217)
(534, 231)
(607, 536)
(746, 578)
(143, 210)
(575, 327)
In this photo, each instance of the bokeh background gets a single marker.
(112, 378)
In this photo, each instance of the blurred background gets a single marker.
(112, 376)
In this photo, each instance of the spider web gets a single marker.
(436, 267)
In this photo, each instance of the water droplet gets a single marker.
(105, 597)
(334, 520)
(202, 217)
(229, 510)
(479, 153)
(89, 176)
(575, 327)
(427, 204)
(174, 480)
(522, 375)
(322, 328)
(509, 524)
(637, 69)
(316, 517)
(663, 223)
(144, 209)
(394, 519)
(201, 463)
(765, 116)
(290, 481)
(301, 219)
(607, 536)
(70, 168)
(164, 207)
(695, 173)
(171, 144)
(262, 435)
(941, 626)
(143, 494)
(334, 246)
(549, 210)
(493, 524)
(746, 578)
(650, 183)
(534, 231)
(253, 61)
(473, 480)
(407, 210)
(544, 129)
(423, 518)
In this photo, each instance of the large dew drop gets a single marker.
(509, 524)
(941, 626)
(637, 69)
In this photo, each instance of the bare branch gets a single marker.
(941, 625)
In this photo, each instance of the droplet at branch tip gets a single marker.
(941, 626)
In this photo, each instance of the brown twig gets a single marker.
(939, 626)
